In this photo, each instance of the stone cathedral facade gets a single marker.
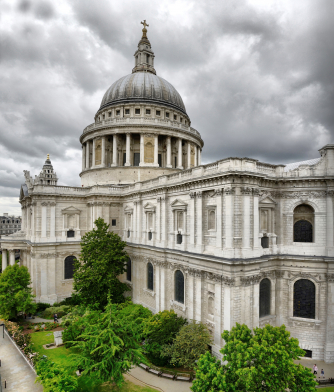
(235, 240)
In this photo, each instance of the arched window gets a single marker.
(150, 276)
(128, 270)
(304, 299)
(303, 220)
(69, 267)
(179, 287)
(265, 296)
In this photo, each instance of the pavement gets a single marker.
(20, 377)
(328, 367)
(40, 320)
(161, 384)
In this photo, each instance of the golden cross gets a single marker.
(144, 23)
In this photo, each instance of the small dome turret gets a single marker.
(47, 176)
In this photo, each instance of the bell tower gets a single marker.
(144, 56)
(47, 176)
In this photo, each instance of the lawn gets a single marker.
(328, 389)
(61, 355)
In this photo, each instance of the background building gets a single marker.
(9, 224)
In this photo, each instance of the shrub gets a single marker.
(160, 330)
(22, 340)
(55, 378)
(41, 306)
(60, 310)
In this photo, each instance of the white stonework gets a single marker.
(141, 172)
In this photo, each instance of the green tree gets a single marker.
(102, 260)
(160, 330)
(262, 360)
(189, 344)
(110, 342)
(15, 293)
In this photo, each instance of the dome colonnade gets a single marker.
(142, 122)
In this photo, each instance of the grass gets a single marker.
(61, 355)
(327, 389)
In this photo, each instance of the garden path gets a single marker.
(162, 384)
(14, 369)
(40, 320)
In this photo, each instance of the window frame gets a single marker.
(177, 290)
(64, 263)
(149, 276)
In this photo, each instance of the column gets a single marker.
(191, 219)
(141, 163)
(53, 220)
(11, 257)
(329, 343)
(157, 288)
(169, 152)
(227, 308)
(198, 295)
(164, 222)
(158, 220)
(218, 315)
(162, 288)
(156, 150)
(103, 152)
(33, 234)
(87, 155)
(329, 218)
(83, 157)
(190, 304)
(219, 212)
(44, 206)
(256, 219)
(199, 156)
(256, 300)
(195, 164)
(127, 150)
(246, 217)
(229, 217)
(188, 156)
(199, 216)
(4, 259)
(94, 147)
(114, 151)
(179, 155)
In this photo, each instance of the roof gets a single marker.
(143, 87)
(294, 165)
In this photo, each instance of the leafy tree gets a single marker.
(258, 361)
(160, 330)
(15, 293)
(189, 344)
(110, 342)
(102, 259)
(55, 378)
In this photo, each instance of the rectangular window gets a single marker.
(175, 162)
(167, 114)
(158, 113)
(175, 116)
(136, 159)
(137, 111)
(70, 233)
(109, 114)
(124, 158)
(159, 160)
(181, 119)
(148, 111)
(103, 116)
(118, 112)
(113, 222)
(127, 111)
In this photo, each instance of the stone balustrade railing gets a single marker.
(141, 120)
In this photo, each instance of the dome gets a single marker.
(143, 87)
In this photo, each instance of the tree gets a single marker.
(261, 360)
(15, 293)
(160, 330)
(189, 344)
(111, 342)
(102, 259)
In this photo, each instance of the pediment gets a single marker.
(128, 209)
(149, 207)
(268, 200)
(179, 204)
(70, 211)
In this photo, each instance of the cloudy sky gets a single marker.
(256, 76)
